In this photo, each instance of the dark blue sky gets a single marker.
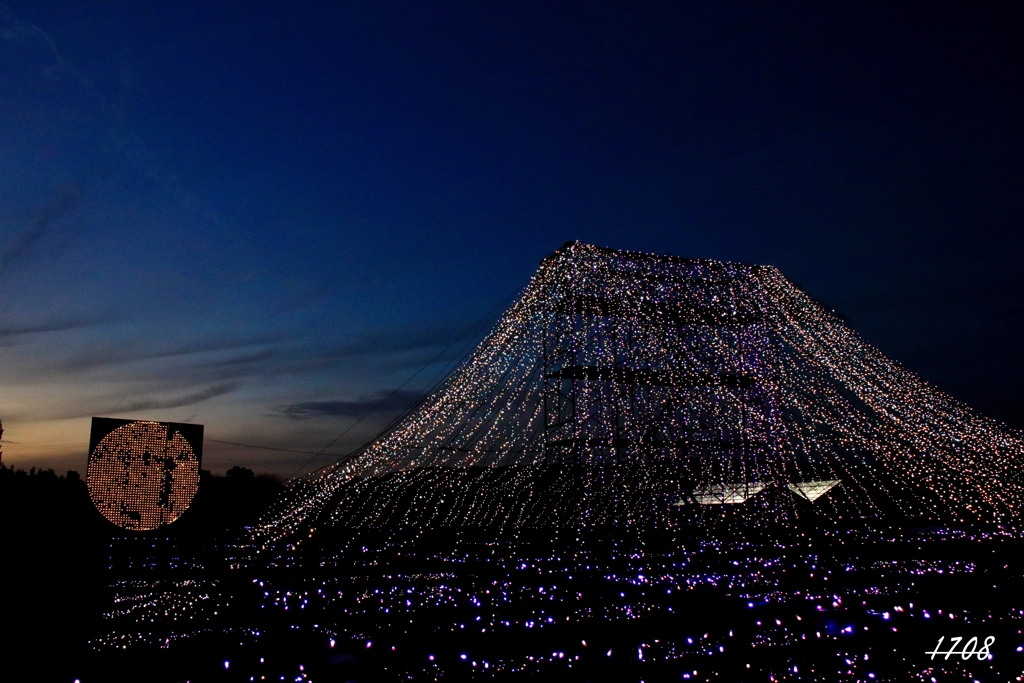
(265, 216)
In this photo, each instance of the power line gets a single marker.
(263, 448)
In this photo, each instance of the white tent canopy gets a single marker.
(813, 490)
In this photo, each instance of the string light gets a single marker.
(622, 392)
(621, 384)
(142, 474)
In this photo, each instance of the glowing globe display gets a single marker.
(141, 474)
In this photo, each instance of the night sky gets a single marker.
(265, 217)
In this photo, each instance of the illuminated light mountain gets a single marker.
(624, 388)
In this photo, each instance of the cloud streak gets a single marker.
(130, 353)
(186, 400)
(383, 400)
(54, 326)
(400, 341)
(223, 359)
(40, 226)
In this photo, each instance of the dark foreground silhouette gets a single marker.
(59, 557)
(823, 603)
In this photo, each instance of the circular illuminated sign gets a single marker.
(142, 474)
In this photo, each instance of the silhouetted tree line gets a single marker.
(60, 556)
(222, 503)
(42, 496)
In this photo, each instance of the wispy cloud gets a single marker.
(384, 401)
(43, 223)
(177, 402)
(128, 352)
(83, 404)
(397, 341)
(50, 326)
(13, 29)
